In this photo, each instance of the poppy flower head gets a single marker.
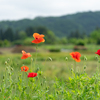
(24, 68)
(32, 74)
(76, 56)
(98, 52)
(38, 38)
(25, 55)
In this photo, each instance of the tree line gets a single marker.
(10, 36)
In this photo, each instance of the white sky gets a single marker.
(19, 9)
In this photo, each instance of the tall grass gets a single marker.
(59, 78)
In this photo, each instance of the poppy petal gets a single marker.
(36, 35)
(25, 55)
(38, 40)
(76, 56)
(24, 68)
(32, 74)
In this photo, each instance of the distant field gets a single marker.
(58, 63)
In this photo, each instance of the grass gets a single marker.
(58, 78)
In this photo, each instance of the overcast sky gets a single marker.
(19, 9)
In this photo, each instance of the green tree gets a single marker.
(50, 37)
(96, 36)
(8, 34)
(6, 43)
(30, 30)
(22, 35)
(1, 43)
(42, 30)
(1, 34)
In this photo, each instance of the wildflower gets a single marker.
(25, 55)
(38, 38)
(76, 56)
(32, 74)
(24, 68)
(98, 52)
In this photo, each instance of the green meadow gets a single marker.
(59, 76)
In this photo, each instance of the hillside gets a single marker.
(61, 26)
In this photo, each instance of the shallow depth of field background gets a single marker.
(68, 26)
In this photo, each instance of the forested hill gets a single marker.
(84, 22)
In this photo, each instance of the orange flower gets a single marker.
(25, 55)
(76, 56)
(38, 38)
(24, 68)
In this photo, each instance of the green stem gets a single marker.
(31, 63)
(75, 66)
(35, 57)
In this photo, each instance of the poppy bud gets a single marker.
(8, 59)
(3, 77)
(71, 69)
(41, 84)
(50, 58)
(6, 68)
(9, 74)
(37, 69)
(44, 77)
(11, 69)
(85, 67)
(57, 92)
(66, 58)
(96, 57)
(5, 62)
(31, 59)
(85, 58)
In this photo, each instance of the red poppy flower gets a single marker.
(76, 56)
(24, 68)
(25, 55)
(98, 52)
(32, 74)
(38, 38)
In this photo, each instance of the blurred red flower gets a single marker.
(24, 68)
(98, 52)
(32, 74)
(76, 56)
(38, 38)
(25, 55)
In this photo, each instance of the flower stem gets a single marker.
(35, 57)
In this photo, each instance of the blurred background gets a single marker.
(68, 25)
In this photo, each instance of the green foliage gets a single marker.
(22, 35)
(54, 50)
(30, 30)
(1, 43)
(8, 34)
(27, 41)
(50, 37)
(63, 40)
(96, 36)
(84, 22)
(80, 42)
(6, 43)
(73, 40)
(18, 42)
